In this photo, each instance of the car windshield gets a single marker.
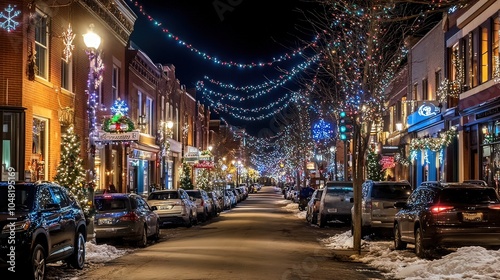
(391, 191)
(339, 189)
(107, 204)
(195, 194)
(468, 196)
(24, 198)
(163, 196)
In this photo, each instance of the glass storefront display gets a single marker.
(491, 153)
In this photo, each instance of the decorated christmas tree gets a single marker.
(186, 182)
(202, 179)
(70, 172)
(375, 171)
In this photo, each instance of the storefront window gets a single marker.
(12, 144)
(39, 149)
(491, 153)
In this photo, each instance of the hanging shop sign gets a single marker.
(192, 154)
(124, 136)
(425, 111)
(387, 162)
(390, 150)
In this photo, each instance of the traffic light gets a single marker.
(345, 126)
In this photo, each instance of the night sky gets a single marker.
(241, 31)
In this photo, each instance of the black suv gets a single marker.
(41, 223)
(448, 214)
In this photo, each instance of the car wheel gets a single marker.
(189, 222)
(314, 218)
(398, 243)
(37, 263)
(156, 236)
(77, 259)
(143, 242)
(420, 249)
(322, 221)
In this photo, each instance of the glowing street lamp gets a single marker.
(92, 41)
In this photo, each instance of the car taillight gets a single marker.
(494, 206)
(202, 202)
(439, 208)
(129, 217)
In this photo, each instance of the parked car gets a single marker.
(448, 214)
(217, 206)
(203, 203)
(174, 207)
(477, 182)
(47, 225)
(377, 203)
(312, 207)
(125, 216)
(232, 198)
(336, 202)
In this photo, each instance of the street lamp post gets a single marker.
(210, 148)
(92, 41)
(166, 133)
(333, 152)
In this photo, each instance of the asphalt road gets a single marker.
(258, 239)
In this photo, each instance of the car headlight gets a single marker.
(16, 226)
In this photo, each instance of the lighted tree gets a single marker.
(363, 45)
(202, 179)
(374, 167)
(186, 182)
(70, 172)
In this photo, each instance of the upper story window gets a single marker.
(495, 33)
(485, 55)
(42, 44)
(425, 89)
(149, 115)
(66, 74)
(115, 82)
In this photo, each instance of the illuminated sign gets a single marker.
(428, 110)
(124, 136)
(425, 111)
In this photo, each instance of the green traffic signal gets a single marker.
(343, 114)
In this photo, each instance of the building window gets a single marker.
(115, 82)
(437, 80)
(494, 47)
(66, 74)
(425, 89)
(42, 44)
(139, 105)
(149, 115)
(475, 58)
(163, 115)
(485, 55)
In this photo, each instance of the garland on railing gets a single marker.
(432, 144)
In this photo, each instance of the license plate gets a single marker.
(105, 221)
(332, 210)
(472, 217)
(166, 207)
